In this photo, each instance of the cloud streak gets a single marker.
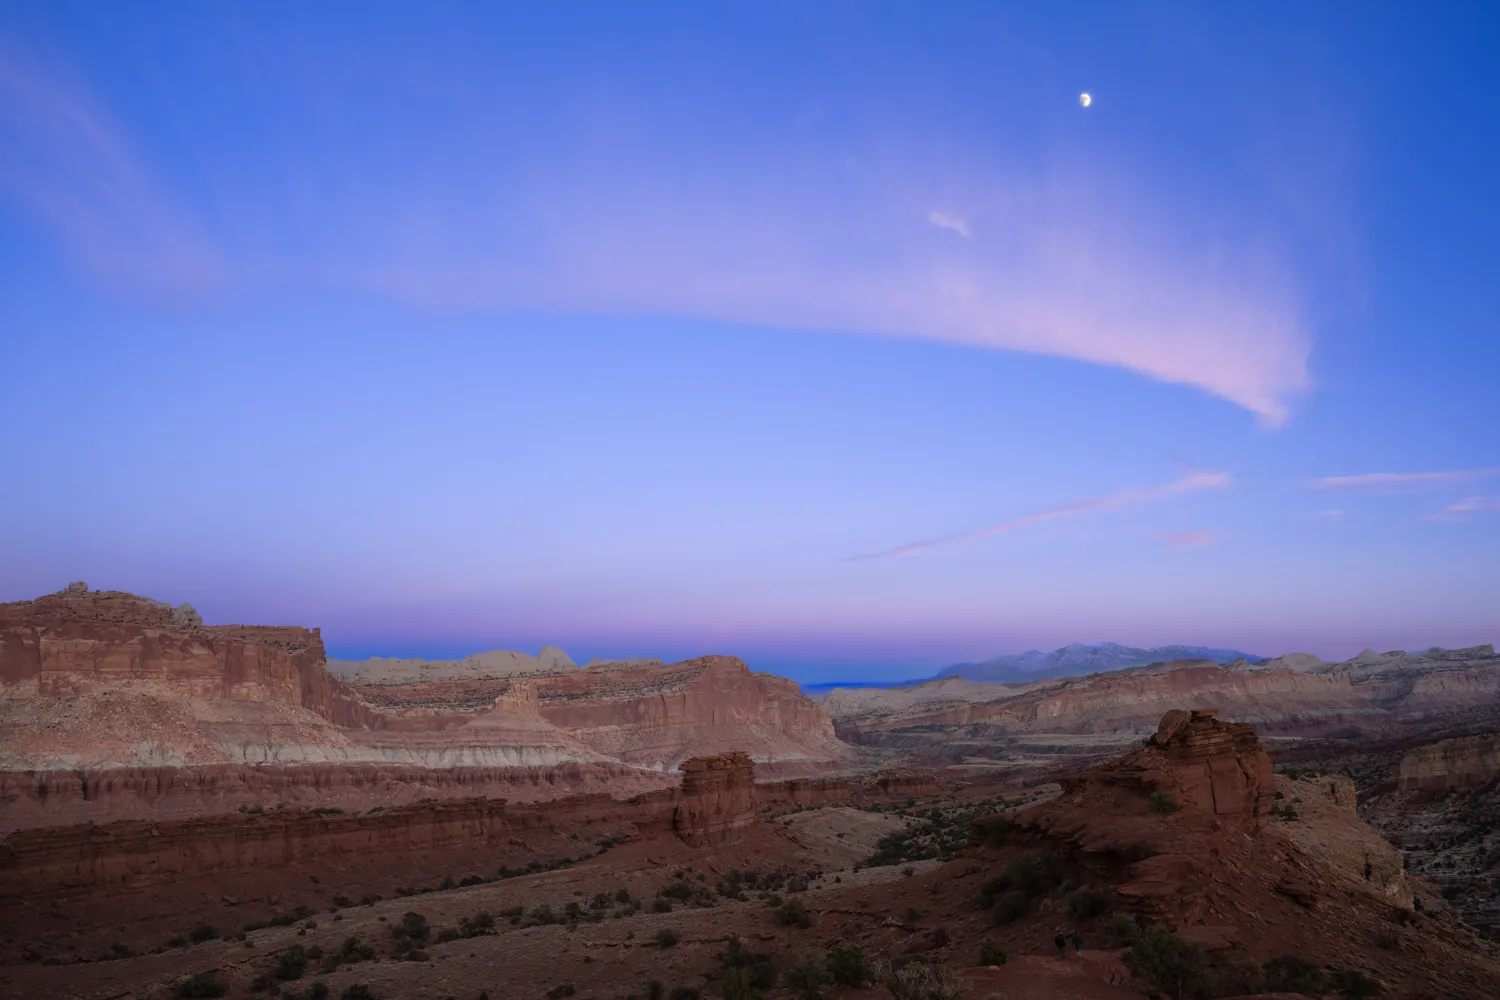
(945, 221)
(1187, 539)
(1064, 264)
(1399, 479)
(1193, 483)
(1468, 505)
(75, 171)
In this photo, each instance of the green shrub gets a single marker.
(994, 831)
(660, 905)
(1293, 974)
(204, 932)
(792, 913)
(806, 976)
(1120, 930)
(203, 984)
(564, 990)
(291, 963)
(1085, 904)
(847, 967)
(666, 938)
(685, 993)
(359, 991)
(1172, 965)
(755, 969)
(1011, 907)
(1163, 801)
(990, 952)
(1352, 983)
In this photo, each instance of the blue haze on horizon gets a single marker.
(839, 337)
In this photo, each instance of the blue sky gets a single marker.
(840, 337)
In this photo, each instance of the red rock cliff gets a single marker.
(717, 800)
(72, 644)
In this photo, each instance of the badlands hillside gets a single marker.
(1293, 695)
(113, 704)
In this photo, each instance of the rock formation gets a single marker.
(1293, 694)
(1466, 762)
(98, 680)
(717, 800)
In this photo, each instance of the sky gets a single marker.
(841, 337)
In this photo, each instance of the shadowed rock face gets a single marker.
(718, 799)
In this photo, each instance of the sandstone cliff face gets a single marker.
(657, 716)
(718, 799)
(1327, 825)
(60, 797)
(1467, 762)
(80, 644)
(92, 680)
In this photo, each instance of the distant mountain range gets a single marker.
(1080, 658)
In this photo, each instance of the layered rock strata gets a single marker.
(717, 800)
(1467, 762)
(1294, 694)
(95, 680)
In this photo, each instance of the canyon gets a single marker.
(157, 772)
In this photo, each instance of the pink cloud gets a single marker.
(1187, 539)
(1468, 505)
(1192, 483)
(1399, 479)
(1055, 261)
(74, 169)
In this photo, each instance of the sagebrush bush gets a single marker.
(1010, 907)
(847, 967)
(1163, 801)
(1173, 965)
(792, 913)
(203, 984)
(1085, 904)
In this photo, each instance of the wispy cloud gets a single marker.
(1186, 539)
(76, 172)
(945, 221)
(1330, 515)
(1468, 505)
(1400, 479)
(1118, 273)
(1192, 483)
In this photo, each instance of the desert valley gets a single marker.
(205, 810)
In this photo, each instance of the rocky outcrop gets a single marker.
(1213, 767)
(1467, 762)
(1293, 694)
(1179, 832)
(77, 644)
(495, 663)
(659, 715)
(717, 800)
(1320, 815)
(96, 680)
